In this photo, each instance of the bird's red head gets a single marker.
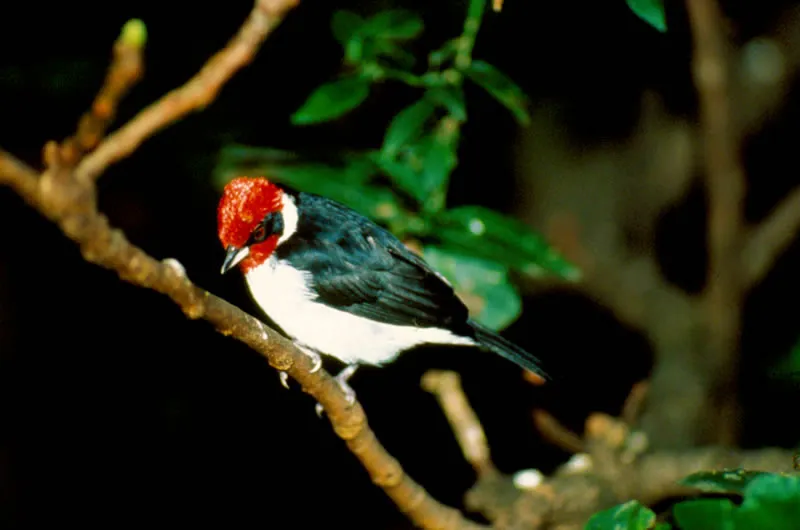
(246, 202)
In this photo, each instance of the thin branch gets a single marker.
(634, 403)
(724, 173)
(556, 433)
(198, 92)
(126, 69)
(446, 386)
(725, 184)
(69, 199)
(765, 242)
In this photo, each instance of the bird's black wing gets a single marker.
(358, 267)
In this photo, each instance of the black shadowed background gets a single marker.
(115, 409)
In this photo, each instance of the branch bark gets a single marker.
(67, 196)
(765, 242)
(615, 467)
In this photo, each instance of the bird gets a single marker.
(338, 284)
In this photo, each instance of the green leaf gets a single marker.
(705, 514)
(628, 516)
(501, 88)
(439, 159)
(345, 25)
(651, 11)
(331, 100)
(504, 239)
(771, 501)
(483, 282)
(446, 53)
(406, 126)
(724, 481)
(394, 24)
(451, 98)
(404, 176)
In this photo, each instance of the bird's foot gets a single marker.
(341, 379)
(316, 359)
(284, 379)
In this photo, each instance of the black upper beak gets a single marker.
(232, 257)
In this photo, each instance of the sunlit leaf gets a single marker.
(705, 514)
(489, 234)
(406, 126)
(501, 88)
(451, 98)
(483, 284)
(345, 24)
(651, 11)
(629, 516)
(403, 175)
(725, 481)
(331, 100)
(772, 501)
(394, 24)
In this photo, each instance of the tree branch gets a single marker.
(198, 92)
(446, 386)
(68, 198)
(766, 241)
(724, 174)
(725, 184)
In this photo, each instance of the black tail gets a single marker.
(506, 349)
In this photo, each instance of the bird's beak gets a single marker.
(233, 257)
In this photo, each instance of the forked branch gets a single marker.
(67, 195)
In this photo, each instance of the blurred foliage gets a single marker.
(403, 184)
(651, 11)
(769, 501)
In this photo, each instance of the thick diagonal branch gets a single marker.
(105, 246)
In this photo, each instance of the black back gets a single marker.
(359, 267)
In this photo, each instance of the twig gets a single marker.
(634, 403)
(446, 386)
(556, 433)
(765, 242)
(126, 69)
(61, 195)
(198, 92)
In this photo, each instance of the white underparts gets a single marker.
(281, 292)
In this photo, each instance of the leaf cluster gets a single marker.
(762, 501)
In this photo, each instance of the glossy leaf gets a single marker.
(451, 98)
(651, 11)
(628, 516)
(723, 481)
(404, 176)
(345, 25)
(439, 159)
(705, 514)
(406, 126)
(501, 88)
(489, 234)
(482, 284)
(331, 100)
(394, 24)
(772, 501)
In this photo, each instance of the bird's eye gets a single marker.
(259, 233)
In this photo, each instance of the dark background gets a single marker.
(115, 409)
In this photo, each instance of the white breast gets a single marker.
(281, 292)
